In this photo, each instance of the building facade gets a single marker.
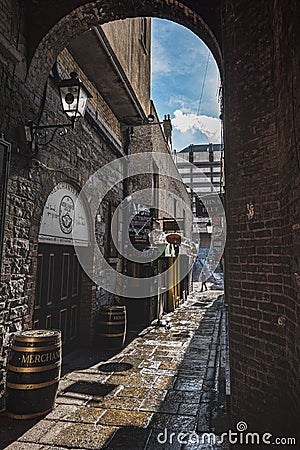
(42, 282)
(201, 167)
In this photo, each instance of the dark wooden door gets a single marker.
(57, 297)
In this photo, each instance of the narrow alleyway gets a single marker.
(167, 380)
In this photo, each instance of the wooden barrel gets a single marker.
(33, 373)
(111, 327)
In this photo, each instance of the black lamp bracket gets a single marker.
(37, 135)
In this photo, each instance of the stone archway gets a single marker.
(44, 49)
(261, 80)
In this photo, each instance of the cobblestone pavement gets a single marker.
(165, 381)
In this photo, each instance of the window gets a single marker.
(184, 170)
(200, 156)
(184, 155)
(217, 156)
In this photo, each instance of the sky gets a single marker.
(179, 61)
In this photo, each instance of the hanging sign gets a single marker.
(141, 226)
(64, 219)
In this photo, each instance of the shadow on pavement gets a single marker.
(191, 398)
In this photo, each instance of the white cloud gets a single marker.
(210, 126)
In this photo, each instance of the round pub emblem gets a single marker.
(66, 214)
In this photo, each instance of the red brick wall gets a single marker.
(261, 172)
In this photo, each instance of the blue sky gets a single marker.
(179, 60)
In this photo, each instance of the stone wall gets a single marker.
(71, 158)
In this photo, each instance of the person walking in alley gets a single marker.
(204, 274)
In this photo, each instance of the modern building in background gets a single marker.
(201, 168)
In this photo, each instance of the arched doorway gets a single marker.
(59, 274)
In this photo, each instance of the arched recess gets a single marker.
(53, 303)
(43, 53)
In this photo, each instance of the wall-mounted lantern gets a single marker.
(74, 97)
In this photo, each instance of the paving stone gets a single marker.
(160, 420)
(123, 403)
(169, 407)
(184, 396)
(157, 405)
(134, 380)
(164, 382)
(93, 377)
(24, 446)
(150, 404)
(188, 384)
(184, 423)
(150, 364)
(126, 418)
(169, 365)
(61, 411)
(82, 414)
(129, 438)
(172, 422)
(72, 399)
(39, 430)
(168, 373)
(78, 435)
(142, 392)
(188, 409)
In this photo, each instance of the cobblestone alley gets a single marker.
(167, 380)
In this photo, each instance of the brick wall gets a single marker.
(259, 195)
(287, 63)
